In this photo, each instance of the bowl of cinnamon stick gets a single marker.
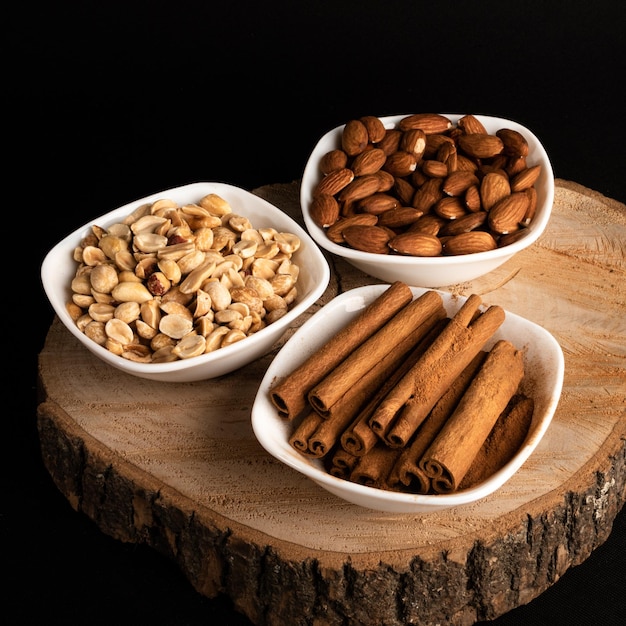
(409, 400)
(429, 199)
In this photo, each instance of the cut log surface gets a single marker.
(177, 466)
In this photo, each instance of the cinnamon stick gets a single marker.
(462, 338)
(340, 415)
(289, 394)
(503, 442)
(359, 438)
(373, 468)
(299, 438)
(453, 450)
(406, 473)
(342, 464)
(349, 371)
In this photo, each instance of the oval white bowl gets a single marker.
(544, 369)
(432, 271)
(58, 269)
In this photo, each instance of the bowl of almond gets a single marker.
(186, 284)
(429, 199)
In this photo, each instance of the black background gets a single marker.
(106, 102)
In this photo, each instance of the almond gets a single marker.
(429, 224)
(390, 142)
(334, 182)
(360, 187)
(400, 163)
(413, 141)
(385, 180)
(470, 243)
(429, 193)
(333, 160)
(375, 128)
(448, 154)
(471, 124)
(481, 146)
(464, 224)
(434, 168)
(354, 138)
(430, 123)
(507, 214)
(531, 192)
(399, 217)
(377, 203)
(324, 210)
(335, 232)
(526, 178)
(434, 143)
(404, 190)
(416, 244)
(515, 165)
(514, 142)
(493, 187)
(472, 199)
(371, 239)
(368, 162)
(457, 183)
(450, 207)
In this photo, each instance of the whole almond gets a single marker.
(429, 193)
(493, 188)
(360, 187)
(385, 180)
(481, 146)
(430, 224)
(324, 210)
(335, 232)
(333, 160)
(375, 128)
(507, 214)
(390, 142)
(334, 182)
(416, 244)
(470, 243)
(404, 190)
(434, 168)
(464, 224)
(368, 162)
(449, 155)
(434, 143)
(526, 178)
(471, 124)
(371, 239)
(457, 183)
(450, 207)
(531, 192)
(472, 199)
(399, 217)
(378, 203)
(400, 163)
(430, 123)
(514, 142)
(354, 138)
(413, 141)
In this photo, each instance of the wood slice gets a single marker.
(177, 466)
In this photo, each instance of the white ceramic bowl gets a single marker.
(432, 271)
(59, 268)
(544, 367)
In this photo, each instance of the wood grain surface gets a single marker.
(177, 466)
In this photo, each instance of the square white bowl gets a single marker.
(442, 270)
(58, 269)
(543, 381)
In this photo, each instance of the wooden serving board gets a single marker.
(177, 466)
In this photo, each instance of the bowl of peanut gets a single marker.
(429, 199)
(186, 284)
(411, 400)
